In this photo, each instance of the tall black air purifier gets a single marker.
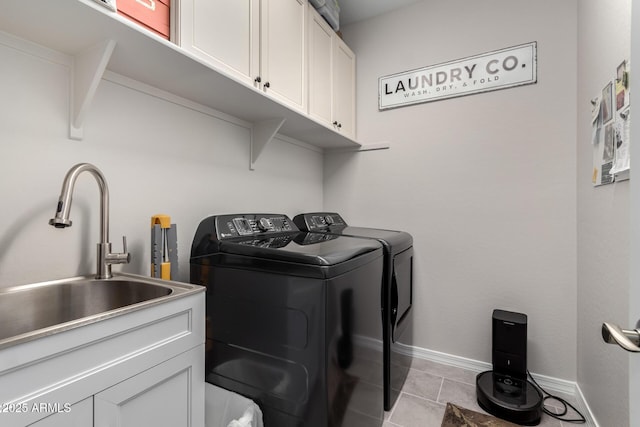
(505, 391)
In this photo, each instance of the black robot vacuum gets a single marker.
(505, 391)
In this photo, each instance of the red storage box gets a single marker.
(151, 14)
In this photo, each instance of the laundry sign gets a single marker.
(500, 69)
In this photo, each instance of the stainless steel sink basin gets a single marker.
(30, 311)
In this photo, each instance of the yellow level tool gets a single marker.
(164, 249)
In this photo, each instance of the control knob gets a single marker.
(329, 220)
(264, 224)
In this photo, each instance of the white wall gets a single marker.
(634, 232)
(484, 183)
(603, 220)
(157, 156)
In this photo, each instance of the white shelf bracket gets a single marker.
(86, 73)
(261, 133)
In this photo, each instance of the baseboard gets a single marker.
(583, 407)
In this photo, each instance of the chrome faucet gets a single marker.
(61, 219)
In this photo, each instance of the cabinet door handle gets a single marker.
(149, 4)
(257, 79)
(267, 85)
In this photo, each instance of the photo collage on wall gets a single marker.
(611, 121)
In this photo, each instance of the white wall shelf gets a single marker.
(365, 147)
(100, 40)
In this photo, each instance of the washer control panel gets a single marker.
(240, 225)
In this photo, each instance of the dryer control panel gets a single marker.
(240, 225)
(319, 221)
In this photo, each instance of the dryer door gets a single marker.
(401, 293)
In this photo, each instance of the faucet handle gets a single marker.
(119, 258)
(124, 253)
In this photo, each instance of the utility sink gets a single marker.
(31, 311)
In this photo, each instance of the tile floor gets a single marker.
(428, 388)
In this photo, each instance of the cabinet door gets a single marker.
(344, 89)
(223, 33)
(320, 67)
(168, 395)
(78, 415)
(282, 53)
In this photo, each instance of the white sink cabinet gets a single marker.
(144, 367)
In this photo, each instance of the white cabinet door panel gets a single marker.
(344, 75)
(168, 395)
(282, 54)
(320, 67)
(78, 415)
(224, 33)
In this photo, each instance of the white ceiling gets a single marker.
(358, 10)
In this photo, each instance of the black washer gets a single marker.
(291, 317)
(396, 292)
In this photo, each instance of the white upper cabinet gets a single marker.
(223, 33)
(260, 42)
(320, 67)
(332, 67)
(218, 51)
(283, 51)
(344, 88)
